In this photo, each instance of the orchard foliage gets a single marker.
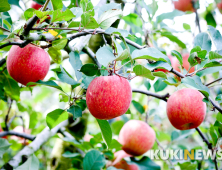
(85, 42)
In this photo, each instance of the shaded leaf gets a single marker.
(106, 131)
(55, 117)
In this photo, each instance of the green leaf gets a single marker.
(123, 55)
(55, 55)
(195, 82)
(192, 59)
(4, 145)
(147, 84)
(58, 15)
(66, 78)
(169, 15)
(107, 7)
(2, 37)
(160, 74)
(150, 53)
(173, 39)
(11, 88)
(214, 134)
(86, 81)
(41, 14)
(106, 131)
(29, 13)
(142, 71)
(158, 64)
(121, 32)
(203, 40)
(171, 81)
(186, 26)
(31, 164)
(55, 117)
(219, 115)
(159, 85)
(68, 154)
(117, 126)
(88, 22)
(85, 5)
(107, 58)
(63, 98)
(109, 17)
(74, 60)
(49, 83)
(145, 163)
(115, 145)
(216, 37)
(60, 43)
(76, 111)
(188, 166)
(138, 107)
(208, 71)
(214, 55)
(93, 160)
(89, 69)
(5, 6)
(178, 56)
(219, 100)
(57, 4)
(212, 64)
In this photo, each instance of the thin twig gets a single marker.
(197, 16)
(91, 55)
(23, 135)
(6, 117)
(213, 81)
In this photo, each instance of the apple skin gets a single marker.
(136, 137)
(219, 6)
(108, 97)
(28, 64)
(35, 5)
(185, 109)
(183, 5)
(124, 165)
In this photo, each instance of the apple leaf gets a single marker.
(158, 64)
(145, 163)
(93, 160)
(159, 85)
(171, 81)
(212, 64)
(31, 164)
(76, 111)
(203, 40)
(142, 71)
(160, 74)
(115, 145)
(196, 83)
(86, 81)
(90, 69)
(41, 14)
(74, 60)
(29, 13)
(105, 55)
(88, 22)
(150, 53)
(121, 32)
(5, 6)
(4, 146)
(55, 55)
(178, 56)
(59, 15)
(11, 88)
(169, 15)
(138, 107)
(147, 84)
(57, 4)
(106, 131)
(68, 154)
(55, 117)
(123, 55)
(60, 43)
(173, 38)
(49, 83)
(188, 166)
(117, 126)
(216, 37)
(214, 55)
(109, 17)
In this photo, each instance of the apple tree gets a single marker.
(99, 84)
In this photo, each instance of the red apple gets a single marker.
(108, 97)
(35, 5)
(5, 137)
(183, 5)
(28, 64)
(219, 6)
(185, 109)
(136, 137)
(20, 130)
(125, 166)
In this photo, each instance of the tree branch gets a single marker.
(23, 135)
(209, 145)
(148, 93)
(213, 81)
(197, 16)
(41, 138)
(91, 55)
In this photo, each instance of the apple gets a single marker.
(28, 64)
(185, 109)
(183, 5)
(219, 6)
(20, 130)
(35, 5)
(136, 137)
(124, 165)
(108, 97)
